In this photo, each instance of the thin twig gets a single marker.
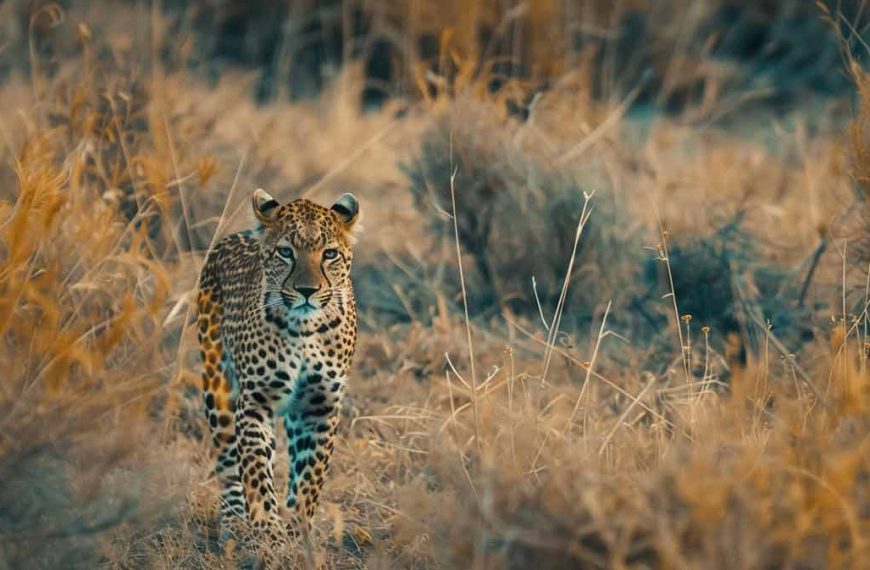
(589, 141)
(624, 415)
(587, 379)
(185, 209)
(665, 256)
(785, 353)
(474, 408)
(560, 305)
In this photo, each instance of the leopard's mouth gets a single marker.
(295, 306)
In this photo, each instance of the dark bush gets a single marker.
(517, 220)
(722, 281)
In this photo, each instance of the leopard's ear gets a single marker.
(346, 211)
(265, 207)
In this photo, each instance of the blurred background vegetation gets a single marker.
(672, 52)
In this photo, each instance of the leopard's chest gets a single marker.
(279, 358)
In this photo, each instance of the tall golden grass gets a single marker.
(640, 446)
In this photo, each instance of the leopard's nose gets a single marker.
(307, 292)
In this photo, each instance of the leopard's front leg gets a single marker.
(256, 443)
(311, 426)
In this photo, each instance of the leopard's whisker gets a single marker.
(274, 303)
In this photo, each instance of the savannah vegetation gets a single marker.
(613, 279)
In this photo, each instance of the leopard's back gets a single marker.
(233, 276)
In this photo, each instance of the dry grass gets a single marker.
(734, 438)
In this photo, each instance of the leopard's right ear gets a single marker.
(265, 207)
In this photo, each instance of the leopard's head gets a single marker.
(306, 249)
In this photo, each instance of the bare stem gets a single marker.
(474, 406)
(560, 305)
(589, 368)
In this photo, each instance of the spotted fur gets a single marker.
(277, 331)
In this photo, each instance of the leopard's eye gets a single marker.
(330, 253)
(285, 252)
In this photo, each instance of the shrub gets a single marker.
(722, 281)
(517, 219)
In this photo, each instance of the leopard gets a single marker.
(277, 329)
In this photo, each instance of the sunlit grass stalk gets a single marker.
(845, 321)
(707, 374)
(765, 372)
(560, 305)
(584, 389)
(687, 350)
(665, 257)
(865, 319)
(474, 403)
(621, 420)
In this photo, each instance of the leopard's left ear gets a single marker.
(346, 211)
